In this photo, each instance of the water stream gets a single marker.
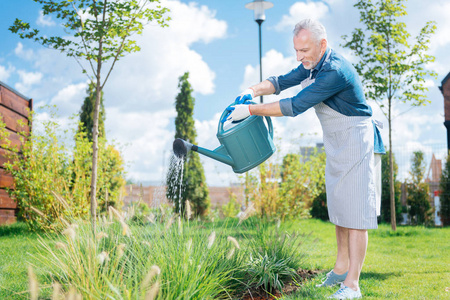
(175, 184)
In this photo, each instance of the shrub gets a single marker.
(275, 256)
(385, 213)
(232, 208)
(319, 209)
(49, 168)
(418, 192)
(287, 191)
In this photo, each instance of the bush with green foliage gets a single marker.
(418, 192)
(275, 256)
(319, 208)
(50, 167)
(287, 190)
(385, 213)
(232, 208)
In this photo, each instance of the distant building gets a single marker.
(434, 176)
(306, 152)
(445, 90)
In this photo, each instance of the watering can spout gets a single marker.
(181, 148)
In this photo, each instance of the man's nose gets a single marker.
(300, 56)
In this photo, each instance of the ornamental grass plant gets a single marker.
(172, 259)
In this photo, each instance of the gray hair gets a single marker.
(315, 27)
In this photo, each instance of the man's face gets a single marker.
(309, 52)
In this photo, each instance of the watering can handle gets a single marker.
(226, 113)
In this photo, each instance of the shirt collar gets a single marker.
(319, 65)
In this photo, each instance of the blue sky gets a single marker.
(217, 42)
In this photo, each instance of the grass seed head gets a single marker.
(56, 295)
(188, 210)
(125, 228)
(234, 241)
(33, 284)
(116, 213)
(69, 232)
(40, 213)
(101, 235)
(249, 211)
(154, 271)
(231, 253)
(211, 239)
(180, 226)
(189, 245)
(153, 292)
(169, 223)
(151, 218)
(103, 257)
(60, 245)
(120, 250)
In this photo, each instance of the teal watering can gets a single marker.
(243, 145)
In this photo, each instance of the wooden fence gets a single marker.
(14, 107)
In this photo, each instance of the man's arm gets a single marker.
(242, 111)
(267, 109)
(263, 88)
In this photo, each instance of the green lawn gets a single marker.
(16, 245)
(411, 263)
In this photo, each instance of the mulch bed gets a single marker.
(289, 287)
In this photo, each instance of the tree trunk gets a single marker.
(95, 156)
(391, 172)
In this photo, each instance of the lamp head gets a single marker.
(259, 6)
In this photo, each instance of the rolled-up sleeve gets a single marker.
(286, 107)
(274, 81)
(293, 78)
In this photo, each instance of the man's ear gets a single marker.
(323, 45)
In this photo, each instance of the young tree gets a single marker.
(418, 191)
(193, 185)
(385, 190)
(392, 69)
(87, 114)
(97, 31)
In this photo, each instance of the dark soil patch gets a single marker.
(289, 287)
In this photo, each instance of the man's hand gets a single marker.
(248, 94)
(239, 112)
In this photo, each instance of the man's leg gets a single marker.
(342, 259)
(357, 247)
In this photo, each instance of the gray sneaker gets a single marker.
(333, 279)
(346, 293)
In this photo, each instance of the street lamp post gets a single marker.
(259, 6)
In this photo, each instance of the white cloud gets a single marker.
(28, 79)
(301, 10)
(44, 20)
(274, 63)
(147, 139)
(22, 53)
(70, 99)
(5, 73)
(150, 77)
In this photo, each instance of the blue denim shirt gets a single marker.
(337, 85)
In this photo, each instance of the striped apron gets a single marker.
(349, 171)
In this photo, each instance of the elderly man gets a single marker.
(331, 85)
